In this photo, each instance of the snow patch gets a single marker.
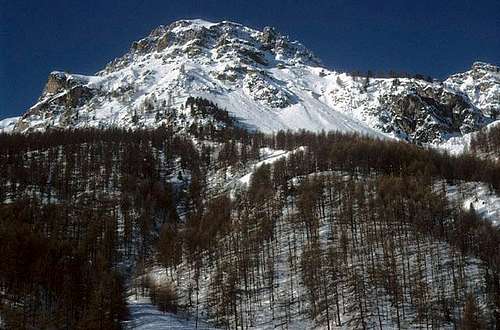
(478, 195)
(7, 124)
(145, 316)
(270, 156)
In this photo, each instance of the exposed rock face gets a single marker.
(164, 41)
(59, 81)
(77, 96)
(481, 84)
(268, 37)
(265, 81)
(262, 90)
(55, 83)
(220, 37)
(485, 67)
(60, 101)
(431, 114)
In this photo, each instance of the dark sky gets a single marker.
(429, 37)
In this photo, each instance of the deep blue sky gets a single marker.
(434, 37)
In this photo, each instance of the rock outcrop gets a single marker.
(266, 82)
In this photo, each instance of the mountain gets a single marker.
(152, 229)
(175, 210)
(267, 83)
(481, 84)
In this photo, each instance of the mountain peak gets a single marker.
(197, 37)
(266, 82)
(481, 84)
(198, 22)
(485, 66)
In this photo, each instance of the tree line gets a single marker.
(346, 230)
(486, 142)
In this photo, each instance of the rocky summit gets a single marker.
(266, 82)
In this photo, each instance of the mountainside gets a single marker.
(266, 82)
(159, 229)
(150, 196)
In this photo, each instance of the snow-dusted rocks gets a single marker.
(481, 84)
(7, 124)
(266, 82)
(430, 113)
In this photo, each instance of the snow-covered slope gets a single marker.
(476, 195)
(7, 124)
(481, 84)
(266, 81)
(146, 316)
(460, 144)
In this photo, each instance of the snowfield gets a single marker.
(7, 124)
(145, 316)
(460, 144)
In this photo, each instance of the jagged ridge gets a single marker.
(266, 82)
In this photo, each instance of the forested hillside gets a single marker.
(486, 142)
(339, 230)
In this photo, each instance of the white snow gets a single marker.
(7, 124)
(194, 23)
(481, 84)
(460, 144)
(484, 200)
(286, 94)
(286, 88)
(269, 156)
(145, 316)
